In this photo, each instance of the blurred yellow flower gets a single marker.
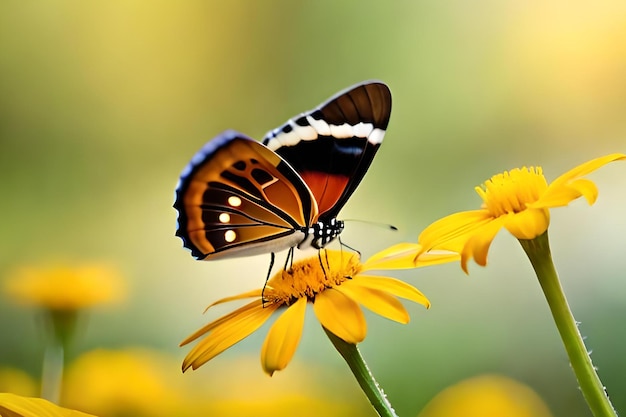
(65, 287)
(131, 382)
(141, 382)
(334, 283)
(230, 389)
(12, 405)
(486, 396)
(518, 200)
(18, 382)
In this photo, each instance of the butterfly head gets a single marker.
(322, 233)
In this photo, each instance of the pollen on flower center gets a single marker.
(311, 276)
(511, 191)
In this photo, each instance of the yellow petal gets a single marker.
(585, 188)
(229, 330)
(478, 245)
(451, 232)
(587, 168)
(562, 190)
(241, 311)
(392, 286)
(528, 224)
(340, 315)
(565, 194)
(283, 338)
(12, 405)
(556, 197)
(402, 256)
(380, 302)
(436, 257)
(249, 294)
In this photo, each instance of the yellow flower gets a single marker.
(518, 200)
(65, 287)
(140, 382)
(334, 283)
(486, 396)
(129, 382)
(230, 389)
(18, 382)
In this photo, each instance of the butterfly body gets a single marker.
(240, 197)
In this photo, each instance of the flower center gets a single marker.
(310, 276)
(511, 191)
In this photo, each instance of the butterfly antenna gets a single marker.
(342, 245)
(373, 223)
(269, 271)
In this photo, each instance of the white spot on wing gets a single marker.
(234, 201)
(305, 132)
(284, 139)
(230, 236)
(376, 137)
(363, 130)
(224, 218)
(277, 138)
(273, 143)
(342, 131)
(319, 125)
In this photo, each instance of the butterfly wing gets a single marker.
(332, 146)
(238, 198)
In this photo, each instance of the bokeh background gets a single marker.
(103, 103)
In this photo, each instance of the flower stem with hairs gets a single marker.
(538, 251)
(367, 382)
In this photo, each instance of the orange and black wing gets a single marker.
(332, 146)
(238, 198)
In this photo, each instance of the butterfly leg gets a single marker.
(319, 257)
(269, 272)
(341, 245)
(289, 260)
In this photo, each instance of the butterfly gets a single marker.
(239, 197)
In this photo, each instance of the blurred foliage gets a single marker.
(103, 103)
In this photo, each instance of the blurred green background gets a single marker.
(103, 103)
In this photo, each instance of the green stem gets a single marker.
(538, 251)
(366, 380)
(52, 372)
(61, 327)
